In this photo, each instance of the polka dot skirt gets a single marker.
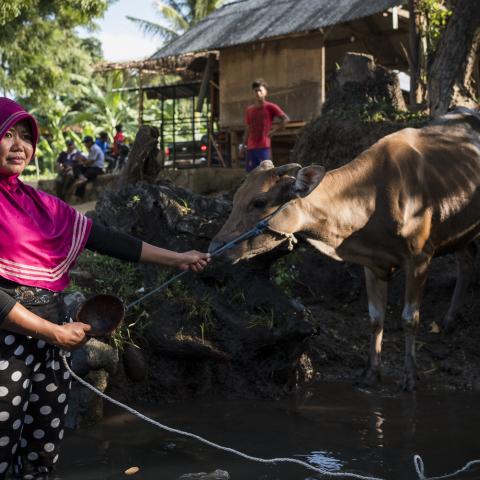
(34, 388)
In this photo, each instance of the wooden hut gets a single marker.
(294, 45)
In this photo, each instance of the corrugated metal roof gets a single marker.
(246, 21)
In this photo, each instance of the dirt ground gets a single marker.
(336, 349)
(339, 350)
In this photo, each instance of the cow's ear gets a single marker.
(266, 165)
(307, 180)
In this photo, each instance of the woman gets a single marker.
(40, 240)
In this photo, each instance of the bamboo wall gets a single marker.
(292, 67)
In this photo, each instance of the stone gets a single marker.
(356, 67)
(215, 475)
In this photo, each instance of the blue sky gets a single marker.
(122, 39)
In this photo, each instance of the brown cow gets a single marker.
(411, 196)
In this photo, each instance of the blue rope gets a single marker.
(254, 232)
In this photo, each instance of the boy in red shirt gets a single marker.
(259, 119)
(118, 139)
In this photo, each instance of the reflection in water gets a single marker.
(379, 421)
(323, 460)
(337, 428)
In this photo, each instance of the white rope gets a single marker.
(419, 467)
(417, 460)
(208, 442)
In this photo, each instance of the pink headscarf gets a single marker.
(40, 236)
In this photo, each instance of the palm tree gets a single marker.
(177, 17)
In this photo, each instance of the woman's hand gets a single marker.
(192, 260)
(70, 336)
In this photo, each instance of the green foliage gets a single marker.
(436, 15)
(59, 125)
(114, 277)
(199, 311)
(70, 12)
(237, 299)
(110, 276)
(105, 106)
(177, 17)
(46, 66)
(264, 319)
(285, 272)
(382, 112)
(95, 106)
(40, 50)
(129, 331)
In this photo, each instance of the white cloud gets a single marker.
(120, 47)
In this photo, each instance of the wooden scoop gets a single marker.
(103, 312)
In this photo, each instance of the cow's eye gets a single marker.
(259, 203)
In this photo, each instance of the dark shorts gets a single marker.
(255, 156)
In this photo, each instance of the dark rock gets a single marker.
(134, 363)
(100, 355)
(223, 319)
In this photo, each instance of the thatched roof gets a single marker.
(165, 64)
(247, 21)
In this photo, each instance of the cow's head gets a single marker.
(264, 190)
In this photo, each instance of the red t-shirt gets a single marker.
(117, 139)
(259, 121)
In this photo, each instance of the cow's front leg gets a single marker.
(415, 276)
(377, 304)
(465, 268)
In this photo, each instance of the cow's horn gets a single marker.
(288, 168)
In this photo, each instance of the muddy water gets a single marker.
(336, 427)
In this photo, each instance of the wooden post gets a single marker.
(174, 126)
(207, 76)
(140, 98)
(322, 80)
(219, 153)
(234, 148)
(193, 130)
(210, 136)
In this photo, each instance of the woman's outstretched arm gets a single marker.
(120, 245)
(192, 259)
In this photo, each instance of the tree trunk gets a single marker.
(451, 75)
(142, 160)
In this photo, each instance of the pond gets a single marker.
(335, 426)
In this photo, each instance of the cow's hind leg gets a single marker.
(415, 277)
(377, 303)
(465, 267)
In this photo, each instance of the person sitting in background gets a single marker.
(103, 142)
(66, 162)
(90, 167)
